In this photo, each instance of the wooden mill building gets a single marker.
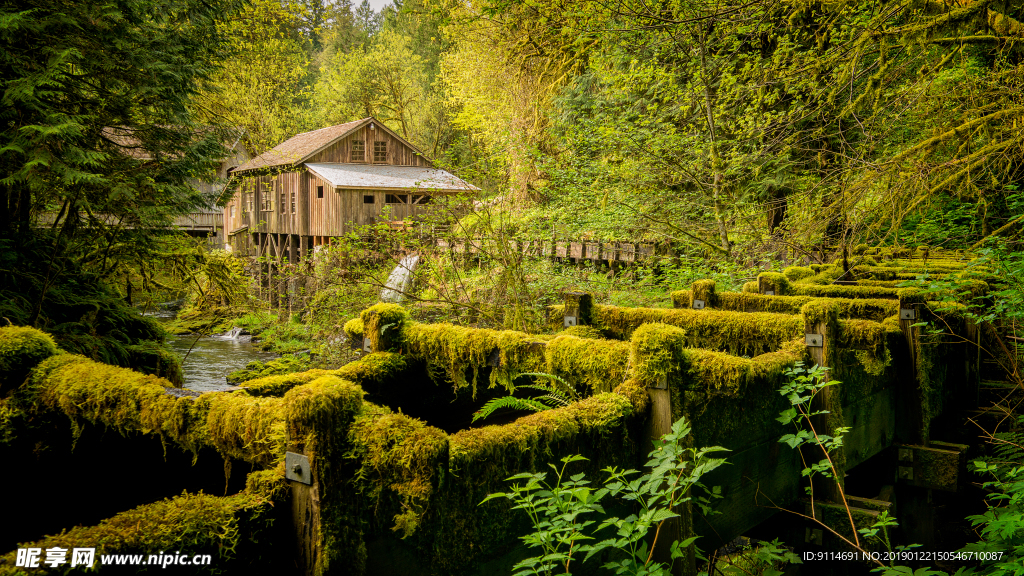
(322, 184)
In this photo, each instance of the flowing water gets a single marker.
(400, 279)
(213, 358)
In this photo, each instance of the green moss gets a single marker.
(400, 457)
(383, 325)
(876, 309)
(459, 353)
(704, 290)
(286, 364)
(838, 291)
(599, 365)
(582, 332)
(655, 351)
(21, 349)
(376, 367)
(235, 530)
(236, 425)
(795, 273)
(750, 287)
(278, 384)
(773, 281)
(354, 331)
(156, 359)
(738, 332)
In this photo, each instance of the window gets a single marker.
(396, 198)
(358, 151)
(293, 202)
(368, 199)
(319, 191)
(247, 207)
(420, 199)
(380, 151)
(232, 210)
(283, 206)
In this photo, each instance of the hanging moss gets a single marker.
(597, 365)
(383, 325)
(456, 351)
(773, 281)
(21, 348)
(235, 424)
(401, 457)
(237, 531)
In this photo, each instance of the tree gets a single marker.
(96, 114)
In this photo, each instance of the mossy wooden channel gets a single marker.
(385, 473)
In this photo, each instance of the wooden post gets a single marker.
(817, 339)
(917, 513)
(659, 423)
(578, 308)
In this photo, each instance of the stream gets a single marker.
(213, 358)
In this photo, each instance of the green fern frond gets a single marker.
(508, 402)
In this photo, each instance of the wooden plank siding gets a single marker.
(399, 154)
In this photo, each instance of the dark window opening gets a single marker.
(420, 199)
(369, 199)
(293, 202)
(319, 191)
(396, 198)
(358, 151)
(380, 151)
(283, 206)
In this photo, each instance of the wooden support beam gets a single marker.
(817, 340)
(659, 423)
(937, 467)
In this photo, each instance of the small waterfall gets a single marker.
(400, 279)
(236, 333)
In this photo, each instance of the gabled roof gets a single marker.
(384, 176)
(302, 147)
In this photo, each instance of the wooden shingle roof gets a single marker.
(301, 146)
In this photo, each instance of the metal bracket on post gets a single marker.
(367, 346)
(908, 314)
(814, 340)
(569, 321)
(698, 304)
(769, 292)
(296, 467)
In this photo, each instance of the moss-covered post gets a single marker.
(382, 325)
(773, 284)
(703, 295)
(821, 324)
(328, 531)
(654, 350)
(578, 309)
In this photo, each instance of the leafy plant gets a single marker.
(558, 393)
(569, 519)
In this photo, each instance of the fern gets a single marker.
(553, 397)
(509, 402)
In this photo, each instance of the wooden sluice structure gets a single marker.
(375, 468)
